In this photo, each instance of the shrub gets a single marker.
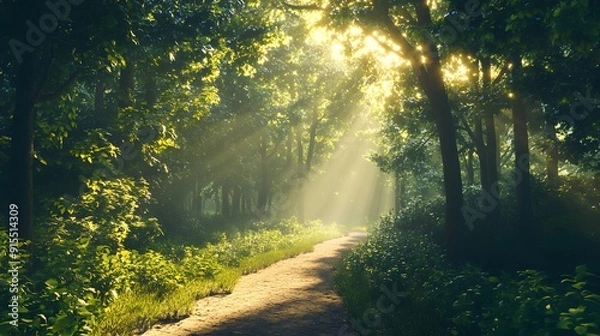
(80, 275)
(444, 299)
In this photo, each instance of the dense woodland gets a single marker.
(147, 144)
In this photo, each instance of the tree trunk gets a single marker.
(491, 187)
(151, 93)
(470, 169)
(124, 100)
(244, 202)
(289, 149)
(299, 147)
(236, 201)
(99, 93)
(263, 187)
(199, 205)
(225, 206)
(398, 193)
(482, 154)
(21, 162)
(431, 81)
(300, 175)
(551, 156)
(218, 207)
(523, 178)
(491, 151)
(197, 200)
(312, 138)
(126, 85)
(247, 202)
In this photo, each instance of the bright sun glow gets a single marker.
(456, 70)
(349, 188)
(362, 44)
(374, 46)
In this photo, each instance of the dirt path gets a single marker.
(292, 297)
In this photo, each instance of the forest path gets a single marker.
(293, 297)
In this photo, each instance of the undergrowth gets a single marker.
(88, 287)
(399, 282)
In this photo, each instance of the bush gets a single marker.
(424, 217)
(440, 299)
(80, 276)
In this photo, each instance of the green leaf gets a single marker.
(51, 283)
(577, 310)
(581, 330)
(592, 297)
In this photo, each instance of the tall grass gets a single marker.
(138, 310)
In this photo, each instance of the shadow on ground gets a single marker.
(314, 310)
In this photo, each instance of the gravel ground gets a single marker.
(293, 297)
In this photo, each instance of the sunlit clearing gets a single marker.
(349, 189)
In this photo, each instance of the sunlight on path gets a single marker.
(292, 297)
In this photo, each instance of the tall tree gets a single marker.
(396, 21)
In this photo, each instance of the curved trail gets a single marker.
(293, 297)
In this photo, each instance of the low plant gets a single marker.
(442, 299)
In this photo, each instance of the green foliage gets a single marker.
(465, 300)
(531, 305)
(83, 277)
(108, 213)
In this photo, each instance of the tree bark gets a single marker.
(299, 147)
(244, 202)
(399, 193)
(490, 128)
(126, 85)
(27, 91)
(151, 92)
(523, 177)
(470, 169)
(492, 187)
(482, 154)
(455, 227)
(300, 175)
(124, 100)
(310, 153)
(263, 187)
(225, 206)
(289, 149)
(218, 206)
(431, 80)
(551, 156)
(247, 202)
(99, 93)
(236, 201)
(199, 206)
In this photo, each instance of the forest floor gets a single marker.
(291, 297)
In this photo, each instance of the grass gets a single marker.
(136, 312)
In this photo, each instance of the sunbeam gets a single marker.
(348, 188)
